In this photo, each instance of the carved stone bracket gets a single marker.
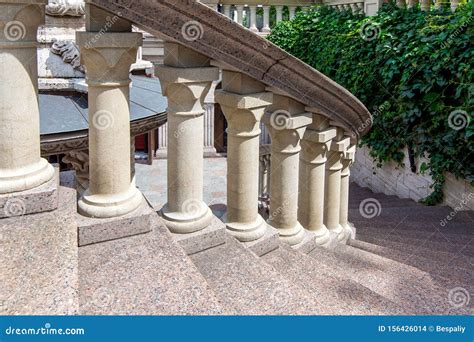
(79, 161)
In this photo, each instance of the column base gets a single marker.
(308, 243)
(26, 178)
(198, 217)
(108, 206)
(292, 236)
(39, 199)
(339, 231)
(322, 235)
(246, 232)
(93, 230)
(267, 243)
(349, 231)
(211, 236)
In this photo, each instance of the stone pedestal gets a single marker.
(243, 101)
(24, 176)
(286, 122)
(332, 188)
(315, 145)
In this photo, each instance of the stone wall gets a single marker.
(392, 179)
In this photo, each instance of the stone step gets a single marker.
(437, 238)
(246, 285)
(441, 253)
(38, 260)
(409, 223)
(338, 295)
(147, 274)
(449, 276)
(409, 287)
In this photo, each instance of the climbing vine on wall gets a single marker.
(413, 70)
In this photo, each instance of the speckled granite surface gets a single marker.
(38, 261)
(140, 275)
(337, 294)
(248, 286)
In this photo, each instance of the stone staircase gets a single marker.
(389, 270)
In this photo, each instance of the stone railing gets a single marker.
(255, 15)
(313, 122)
(371, 7)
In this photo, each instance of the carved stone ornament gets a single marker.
(59, 8)
(69, 52)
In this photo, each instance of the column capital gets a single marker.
(108, 56)
(286, 130)
(20, 21)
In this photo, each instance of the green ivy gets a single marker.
(411, 69)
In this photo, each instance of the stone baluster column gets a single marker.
(243, 101)
(400, 3)
(347, 161)
(292, 11)
(354, 8)
(226, 10)
(315, 146)
(425, 5)
(454, 5)
(21, 165)
(107, 57)
(266, 19)
(279, 13)
(253, 18)
(286, 121)
(332, 187)
(186, 78)
(360, 7)
(240, 14)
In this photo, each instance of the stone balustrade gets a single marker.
(308, 117)
(259, 16)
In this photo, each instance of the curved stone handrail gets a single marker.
(225, 41)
